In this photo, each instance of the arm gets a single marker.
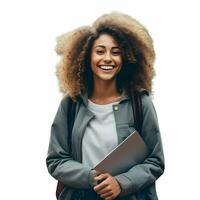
(59, 161)
(143, 175)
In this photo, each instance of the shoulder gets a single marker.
(66, 102)
(65, 99)
(145, 96)
(147, 104)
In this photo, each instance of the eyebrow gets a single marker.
(115, 47)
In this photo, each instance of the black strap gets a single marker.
(136, 103)
(70, 118)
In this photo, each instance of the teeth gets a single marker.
(106, 67)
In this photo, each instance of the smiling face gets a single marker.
(106, 58)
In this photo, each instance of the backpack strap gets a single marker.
(136, 103)
(70, 122)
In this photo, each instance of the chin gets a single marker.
(107, 78)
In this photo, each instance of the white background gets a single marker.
(30, 95)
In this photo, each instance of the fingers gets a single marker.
(108, 188)
(98, 179)
(101, 177)
(106, 195)
(104, 190)
(100, 186)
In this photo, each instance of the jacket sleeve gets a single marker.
(146, 173)
(59, 162)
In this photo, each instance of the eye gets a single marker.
(100, 51)
(116, 52)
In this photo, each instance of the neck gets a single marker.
(105, 93)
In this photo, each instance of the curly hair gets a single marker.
(74, 71)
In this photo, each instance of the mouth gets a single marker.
(106, 67)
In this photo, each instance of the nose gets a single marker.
(107, 58)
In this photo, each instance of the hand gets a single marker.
(108, 188)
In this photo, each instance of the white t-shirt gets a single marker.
(100, 135)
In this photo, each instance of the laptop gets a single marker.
(130, 152)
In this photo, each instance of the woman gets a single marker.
(100, 68)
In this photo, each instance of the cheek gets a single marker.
(94, 60)
(93, 64)
(119, 62)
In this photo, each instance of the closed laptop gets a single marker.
(130, 152)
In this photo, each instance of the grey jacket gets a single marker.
(67, 168)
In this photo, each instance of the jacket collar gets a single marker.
(84, 97)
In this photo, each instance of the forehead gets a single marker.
(105, 40)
